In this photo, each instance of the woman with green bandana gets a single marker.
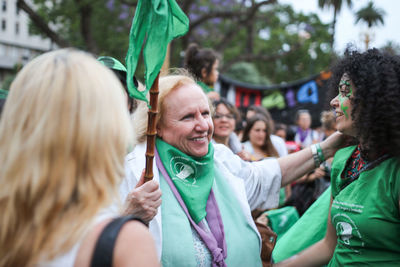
(207, 191)
(364, 218)
(203, 64)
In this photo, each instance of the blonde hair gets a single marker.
(64, 132)
(167, 84)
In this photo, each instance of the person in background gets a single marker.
(280, 130)
(256, 138)
(291, 145)
(328, 123)
(257, 142)
(203, 64)
(277, 141)
(305, 136)
(120, 71)
(364, 222)
(64, 134)
(308, 189)
(224, 119)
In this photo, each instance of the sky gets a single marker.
(346, 31)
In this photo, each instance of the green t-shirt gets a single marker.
(366, 215)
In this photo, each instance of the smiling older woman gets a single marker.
(208, 191)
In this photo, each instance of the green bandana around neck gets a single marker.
(193, 177)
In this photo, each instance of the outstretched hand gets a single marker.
(144, 200)
(334, 142)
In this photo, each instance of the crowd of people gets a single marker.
(73, 146)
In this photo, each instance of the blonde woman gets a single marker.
(64, 134)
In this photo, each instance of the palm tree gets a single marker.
(372, 16)
(337, 6)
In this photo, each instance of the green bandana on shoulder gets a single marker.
(205, 87)
(193, 177)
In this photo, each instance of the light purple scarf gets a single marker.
(215, 241)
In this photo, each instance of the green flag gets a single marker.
(3, 94)
(308, 230)
(156, 23)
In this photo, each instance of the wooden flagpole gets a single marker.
(151, 130)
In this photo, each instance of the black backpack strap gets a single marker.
(103, 252)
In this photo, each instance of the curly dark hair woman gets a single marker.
(365, 178)
(376, 101)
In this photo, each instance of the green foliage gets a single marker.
(371, 15)
(81, 22)
(247, 72)
(392, 48)
(302, 41)
(7, 81)
(9, 78)
(280, 44)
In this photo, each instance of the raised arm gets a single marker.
(297, 164)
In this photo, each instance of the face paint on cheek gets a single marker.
(346, 97)
(342, 107)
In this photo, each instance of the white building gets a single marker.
(17, 46)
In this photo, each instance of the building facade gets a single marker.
(17, 46)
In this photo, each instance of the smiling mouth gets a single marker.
(339, 114)
(198, 139)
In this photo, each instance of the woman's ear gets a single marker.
(204, 73)
(159, 131)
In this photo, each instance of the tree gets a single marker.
(282, 44)
(97, 26)
(337, 6)
(372, 16)
(391, 47)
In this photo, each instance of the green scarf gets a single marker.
(193, 177)
(205, 87)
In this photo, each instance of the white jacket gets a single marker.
(256, 184)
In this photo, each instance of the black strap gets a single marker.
(103, 252)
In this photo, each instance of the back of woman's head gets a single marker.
(376, 97)
(64, 133)
(197, 58)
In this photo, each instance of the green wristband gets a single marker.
(319, 152)
(316, 158)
